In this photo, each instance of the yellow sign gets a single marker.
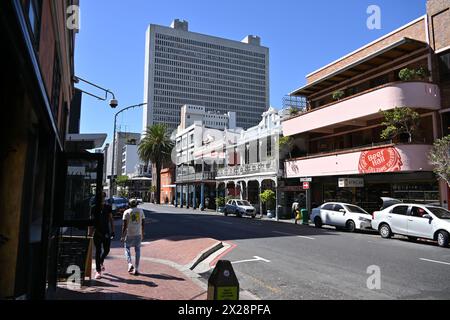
(227, 293)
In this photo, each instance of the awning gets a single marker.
(391, 52)
(82, 142)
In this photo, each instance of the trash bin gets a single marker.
(305, 216)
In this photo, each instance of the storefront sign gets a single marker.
(380, 160)
(351, 183)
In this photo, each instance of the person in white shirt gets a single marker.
(133, 234)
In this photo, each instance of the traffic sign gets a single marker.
(305, 185)
(305, 179)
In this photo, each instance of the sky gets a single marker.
(302, 36)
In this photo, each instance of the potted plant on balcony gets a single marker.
(400, 121)
(338, 95)
(268, 198)
(408, 74)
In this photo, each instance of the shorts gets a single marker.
(134, 241)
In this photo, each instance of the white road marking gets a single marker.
(224, 222)
(252, 260)
(435, 261)
(294, 235)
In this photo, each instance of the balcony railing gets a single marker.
(246, 169)
(358, 109)
(199, 176)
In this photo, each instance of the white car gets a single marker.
(341, 215)
(414, 221)
(239, 208)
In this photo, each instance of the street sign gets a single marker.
(305, 179)
(223, 283)
(305, 185)
(351, 183)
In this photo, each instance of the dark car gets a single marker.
(119, 205)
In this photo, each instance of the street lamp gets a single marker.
(111, 179)
(113, 103)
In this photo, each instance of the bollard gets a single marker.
(223, 283)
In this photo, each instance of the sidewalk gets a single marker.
(164, 268)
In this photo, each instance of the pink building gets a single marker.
(338, 136)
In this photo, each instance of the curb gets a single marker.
(205, 254)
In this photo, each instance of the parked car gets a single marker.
(119, 205)
(239, 208)
(341, 215)
(414, 221)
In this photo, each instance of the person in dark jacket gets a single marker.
(103, 233)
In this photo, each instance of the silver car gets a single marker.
(414, 221)
(239, 208)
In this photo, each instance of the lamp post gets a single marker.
(111, 179)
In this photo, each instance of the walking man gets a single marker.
(133, 234)
(103, 233)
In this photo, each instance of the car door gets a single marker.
(398, 219)
(234, 206)
(326, 213)
(418, 226)
(339, 215)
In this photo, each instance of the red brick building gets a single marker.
(37, 89)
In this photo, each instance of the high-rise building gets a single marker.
(187, 68)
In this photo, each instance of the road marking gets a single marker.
(256, 258)
(224, 222)
(294, 235)
(435, 261)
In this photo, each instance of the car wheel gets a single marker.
(350, 226)
(225, 212)
(443, 239)
(385, 231)
(412, 239)
(253, 216)
(318, 222)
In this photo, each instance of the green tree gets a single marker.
(156, 147)
(440, 158)
(268, 197)
(285, 145)
(399, 121)
(122, 181)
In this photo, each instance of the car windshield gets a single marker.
(441, 213)
(120, 200)
(356, 209)
(243, 203)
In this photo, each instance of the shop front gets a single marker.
(363, 177)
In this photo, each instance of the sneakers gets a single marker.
(98, 275)
(130, 268)
(103, 268)
(136, 272)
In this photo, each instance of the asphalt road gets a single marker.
(295, 262)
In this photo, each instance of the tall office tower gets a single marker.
(184, 67)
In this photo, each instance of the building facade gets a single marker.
(338, 140)
(211, 119)
(184, 67)
(37, 91)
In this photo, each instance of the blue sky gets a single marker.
(302, 36)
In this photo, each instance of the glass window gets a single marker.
(444, 66)
(441, 213)
(401, 210)
(328, 206)
(418, 212)
(338, 207)
(355, 209)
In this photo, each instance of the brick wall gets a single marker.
(439, 23)
(415, 31)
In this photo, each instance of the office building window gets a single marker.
(33, 11)
(444, 66)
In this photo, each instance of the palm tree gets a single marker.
(156, 147)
